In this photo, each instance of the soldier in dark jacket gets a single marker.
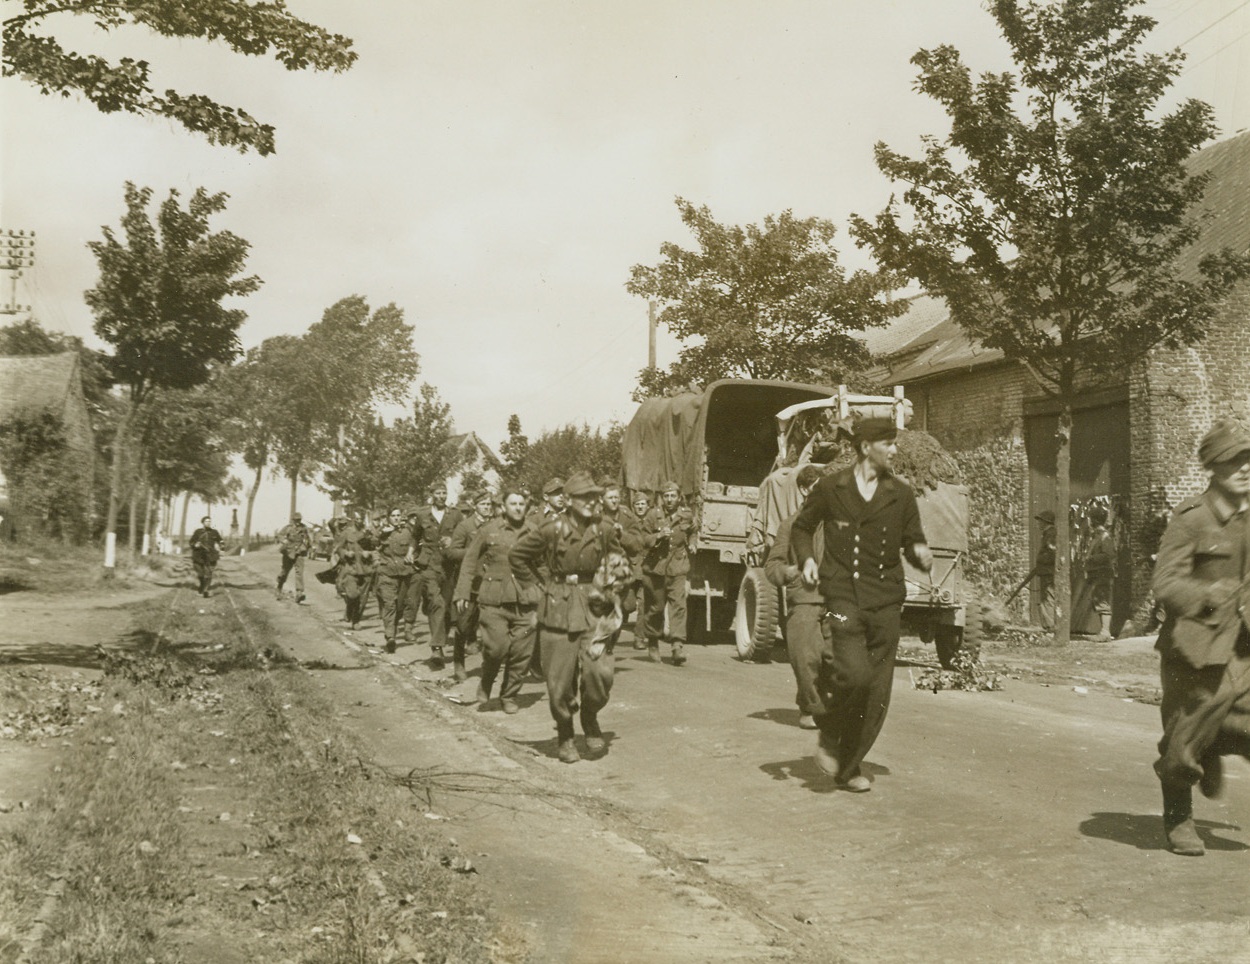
(205, 545)
(353, 554)
(294, 541)
(666, 532)
(805, 643)
(431, 584)
(556, 566)
(868, 517)
(1202, 580)
(395, 554)
(486, 583)
(465, 617)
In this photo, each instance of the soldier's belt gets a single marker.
(573, 578)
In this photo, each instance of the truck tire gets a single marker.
(949, 640)
(756, 625)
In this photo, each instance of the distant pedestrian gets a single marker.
(294, 542)
(666, 532)
(206, 543)
(1100, 568)
(1202, 580)
(486, 583)
(869, 517)
(557, 566)
(805, 606)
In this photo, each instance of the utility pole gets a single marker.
(18, 252)
(651, 328)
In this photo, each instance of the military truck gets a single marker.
(720, 446)
(939, 606)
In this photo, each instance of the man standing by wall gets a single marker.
(1202, 580)
(666, 534)
(205, 545)
(868, 517)
(294, 541)
(555, 566)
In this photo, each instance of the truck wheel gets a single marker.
(756, 624)
(949, 640)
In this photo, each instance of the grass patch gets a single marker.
(48, 566)
(214, 811)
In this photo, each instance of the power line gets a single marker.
(1214, 22)
(1199, 63)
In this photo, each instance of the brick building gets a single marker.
(1133, 440)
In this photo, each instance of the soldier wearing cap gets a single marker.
(465, 617)
(628, 528)
(552, 505)
(294, 541)
(555, 566)
(1202, 581)
(396, 551)
(869, 518)
(432, 582)
(486, 584)
(353, 553)
(666, 532)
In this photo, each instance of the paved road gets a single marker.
(1013, 826)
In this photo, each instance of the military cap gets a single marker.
(875, 430)
(580, 483)
(1046, 517)
(296, 517)
(553, 486)
(1222, 442)
(670, 487)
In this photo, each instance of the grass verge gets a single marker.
(213, 811)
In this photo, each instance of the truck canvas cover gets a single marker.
(662, 444)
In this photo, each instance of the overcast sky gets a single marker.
(496, 168)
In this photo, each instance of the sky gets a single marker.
(495, 169)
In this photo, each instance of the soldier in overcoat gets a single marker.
(869, 516)
(666, 532)
(1202, 580)
(555, 566)
(486, 582)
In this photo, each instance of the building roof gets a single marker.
(37, 383)
(924, 342)
(472, 440)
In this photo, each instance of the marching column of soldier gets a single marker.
(549, 587)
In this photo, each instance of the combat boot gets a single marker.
(596, 745)
(457, 660)
(679, 655)
(1178, 822)
(436, 657)
(567, 749)
(653, 650)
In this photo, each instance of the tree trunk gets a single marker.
(149, 515)
(294, 490)
(182, 526)
(133, 540)
(1063, 539)
(120, 442)
(251, 502)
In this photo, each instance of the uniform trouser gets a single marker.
(857, 671)
(805, 642)
(290, 563)
(507, 644)
(660, 591)
(427, 592)
(569, 668)
(390, 590)
(204, 573)
(1046, 601)
(1206, 712)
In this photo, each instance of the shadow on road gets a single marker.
(1145, 831)
(788, 716)
(813, 777)
(549, 748)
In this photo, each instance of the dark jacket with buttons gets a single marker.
(486, 573)
(861, 564)
(1201, 562)
(554, 565)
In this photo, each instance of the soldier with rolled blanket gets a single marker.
(486, 583)
(572, 568)
(1202, 581)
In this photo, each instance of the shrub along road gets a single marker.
(1012, 825)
